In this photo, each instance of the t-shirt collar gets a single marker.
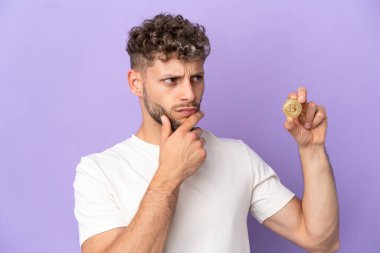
(145, 145)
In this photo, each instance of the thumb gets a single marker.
(291, 126)
(166, 129)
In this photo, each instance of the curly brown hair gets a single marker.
(165, 37)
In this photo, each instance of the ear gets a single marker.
(135, 82)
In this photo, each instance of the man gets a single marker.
(173, 187)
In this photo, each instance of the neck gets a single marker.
(149, 131)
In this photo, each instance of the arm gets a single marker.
(149, 228)
(312, 222)
(181, 155)
(320, 201)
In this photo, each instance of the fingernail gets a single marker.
(307, 125)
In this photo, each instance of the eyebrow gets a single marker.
(167, 76)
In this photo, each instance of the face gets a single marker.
(173, 88)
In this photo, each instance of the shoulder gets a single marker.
(211, 137)
(230, 145)
(233, 146)
(94, 162)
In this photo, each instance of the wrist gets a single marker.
(312, 151)
(163, 183)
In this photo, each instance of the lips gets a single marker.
(187, 111)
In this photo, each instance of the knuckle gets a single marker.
(192, 135)
(198, 131)
(320, 115)
(202, 154)
(198, 144)
(302, 88)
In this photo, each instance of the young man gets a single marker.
(173, 187)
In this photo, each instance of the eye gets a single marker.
(170, 80)
(196, 78)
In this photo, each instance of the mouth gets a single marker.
(187, 111)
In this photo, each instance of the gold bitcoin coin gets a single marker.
(292, 108)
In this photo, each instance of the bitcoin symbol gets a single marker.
(292, 108)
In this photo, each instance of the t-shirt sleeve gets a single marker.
(95, 207)
(269, 195)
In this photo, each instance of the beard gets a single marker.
(156, 110)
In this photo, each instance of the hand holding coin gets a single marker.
(305, 121)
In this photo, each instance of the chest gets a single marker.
(221, 186)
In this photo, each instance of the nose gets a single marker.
(187, 92)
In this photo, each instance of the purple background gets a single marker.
(64, 94)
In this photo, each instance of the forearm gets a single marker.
(149, 228)
(319, 203)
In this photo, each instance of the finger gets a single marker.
(292, 95)
(311, 110)
(166, 129)
(320, 116)
(191, 121)
(203, 140)
(302, 94)
(198, 132)
(200, 143)
(291, 126)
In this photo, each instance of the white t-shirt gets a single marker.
(212, 207)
